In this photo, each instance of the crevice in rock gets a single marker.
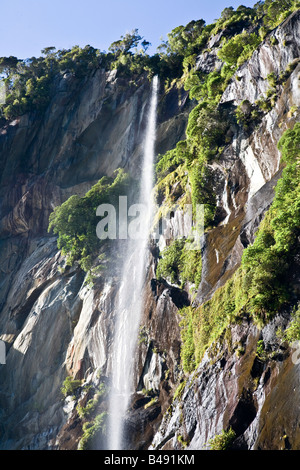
(244, 413)
(165, 440)
(20, 315)
(257, 368)
(146, 367)
(179, 297)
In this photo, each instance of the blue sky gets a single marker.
(27, 26)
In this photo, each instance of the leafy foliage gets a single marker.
(267, 260)
(208, 126)
(169, 265)
(75, 220)
(203, 325)
(260, 287)
(205, 131)
(202, 190)
(179, 264)
(188, 349)
(239, 48)
(292, 332)
(234, 21)
(126, 43)
(93, 430)
(206, 136)
(222, 441)
(30, 83)
(69, 386)
(276, 11)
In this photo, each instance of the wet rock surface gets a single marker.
(230, 389)
(54, 325)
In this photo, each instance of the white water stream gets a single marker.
(130, 301)
(225, 203)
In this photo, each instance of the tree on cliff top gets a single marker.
(126, 43)
(8, 65)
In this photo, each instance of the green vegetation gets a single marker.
(183, 174)
(274, 12)
(239, 48)
(247, 113)
(188, 345)
(179, 391)
(179, 264)
(92, 418)
(260, 350)
(235, 20)
(187, 164)
(30, 84)
(182, 441)
(292, 332)
(208, 125)
(185, 40)
(266, 262)
(75, 220)
(208, 129)
(266, 103)
(85, 411)
(260, 287)
(152, 402)
(200, 327)
(69, 386)
(92, 430)
(222, 441)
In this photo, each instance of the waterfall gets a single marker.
(225, 203)
(130, 294)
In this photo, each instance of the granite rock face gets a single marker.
(54, 325)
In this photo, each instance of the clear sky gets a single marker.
(27, 26)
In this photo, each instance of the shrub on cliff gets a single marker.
(275, 11)
(239, 48)
(75, 220)
(179, 264)
(222, 441)
(93, 431)
(266, 262)
(292, 332)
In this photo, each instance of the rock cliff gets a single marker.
(229, 389)
(54, 325)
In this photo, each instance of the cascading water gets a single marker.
(225, 203)
(130, 294)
